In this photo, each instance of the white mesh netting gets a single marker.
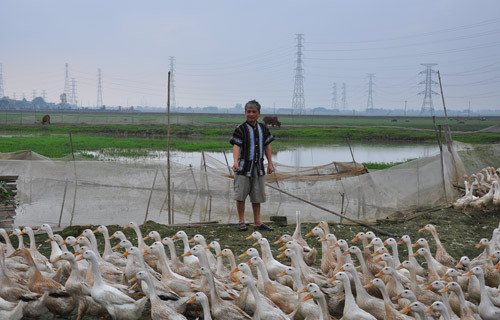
(96, 192)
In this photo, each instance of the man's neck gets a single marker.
(253, 124)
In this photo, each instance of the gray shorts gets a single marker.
(253, 186)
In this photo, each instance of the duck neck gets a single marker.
(395, 255)
(385, 295)
(173, 253)
(446, 302)
(55, 250)
(107, 244)
(323, 307)
(297, 233)
(298, 281)
(430, 262)
(436, 237)
(164, 264)
(349, 298)
(362, 262)
(214, 297)
(360, 290)
(232, 262)
(31, 235)
(219, 261)
(409, 246)
(140, 242)
(10, 248)
(21, 242)
(185, 241)
(93, 245)
(263, 271)
(413, 278)
(257, 298)
(206, 309)
(267, 255)
(484, 295)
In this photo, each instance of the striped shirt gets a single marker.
(251, 141)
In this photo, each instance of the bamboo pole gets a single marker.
(168, 153)
(194, 179)
(380, 231)
(350, 149)
(62, 206)
(76, 180)
(227, 163)
(440, 143)
(444, 107)
(150, 195)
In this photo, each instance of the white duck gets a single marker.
(118, 304)
(351, 310)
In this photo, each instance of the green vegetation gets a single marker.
(382, 165)
(6, 195)
(53, 140)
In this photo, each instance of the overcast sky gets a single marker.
(227, 52)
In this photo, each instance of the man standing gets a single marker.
(251, 140)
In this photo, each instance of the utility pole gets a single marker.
(335, 104)
(298, 101)
(99, 89)
(369, 104)
(344, 97)
(2, 90)
(427, 105)
(172, 82)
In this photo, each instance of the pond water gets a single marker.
(299, 156)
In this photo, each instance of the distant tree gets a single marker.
(38, 101)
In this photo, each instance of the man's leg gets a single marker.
(256, 214)
(240, 206)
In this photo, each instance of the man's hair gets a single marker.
(252, 103)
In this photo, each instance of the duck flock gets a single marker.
(367, 280)
(481, 189)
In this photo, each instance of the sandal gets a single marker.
(264, 227)
(242, 226)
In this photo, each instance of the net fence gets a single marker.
(105, 192)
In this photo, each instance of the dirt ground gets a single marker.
(459, 233)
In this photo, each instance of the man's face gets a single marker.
(252, 114)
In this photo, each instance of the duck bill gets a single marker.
(416, 254)
(446, 276)
(208, 247)
(80, 258)
(126, 253)
(479, 245)
(96, 231)
(401, 242)
(421, 229)
(379, 274)
(283, 248)
(134, 279)
(146, 237)
(197, 274)
(186, 254)
(332, 278)
(191, 300)
(243, 255)
(278, 241)
(249, 237)
(191, 240)
(368, 285)
(406, 310)
(235, 270)
(175, 237)
(310, 234)
(416, 244)
(356, 239)
(429, 309)
(322, 240)
(445, 289)
(468, 274)
(255, 244)
(58, 258)
(218, 254)
(307, 297)
(116, 247)
(459, 264)
(347, 252)
(335, 245)
(281, 274)
(282, 255)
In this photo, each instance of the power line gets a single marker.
(298, 101)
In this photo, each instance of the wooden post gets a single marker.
(342, 206)
(168, 153)
(194, 179)
(210, 208)
(444, 107)
(62, 206)
(205, 167)
(227, 163)
(438, 134)
(150, 195)
(350, 149)
(173, 211)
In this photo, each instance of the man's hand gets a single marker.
(270, 168)
(235, 167)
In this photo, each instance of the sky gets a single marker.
(228, 52)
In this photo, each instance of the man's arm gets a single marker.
(270, 166)
(236, 155)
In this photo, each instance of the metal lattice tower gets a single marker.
(172, 83)
(427, 105)
(73, 100)
(2, 90)
(335, 103)
(298, 101)
(99, 89)
(66, 82)
(369, 105)
(44, 95)
(33, 95)
(344, 97)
